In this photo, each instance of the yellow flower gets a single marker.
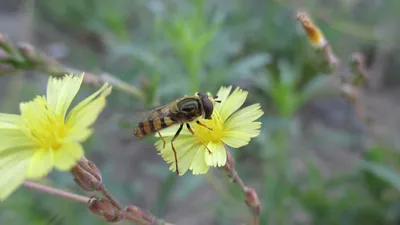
(229, 127)
(44, 136)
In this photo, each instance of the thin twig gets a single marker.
(102, 207)
(318, 41)
(235, 177)
(350, 86)
(55, 191)
(110, 197)
(251, 196)
(89, 178)
(26, 57)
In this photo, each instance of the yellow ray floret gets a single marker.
(230, 126)
(43, 136)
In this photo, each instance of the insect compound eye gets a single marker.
(207, 106)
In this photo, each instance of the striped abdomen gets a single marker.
(152, 125)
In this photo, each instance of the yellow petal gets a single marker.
(37, 119)
(88, 115)
(9, 121)
(171, 131)
(10, 129)
(223, 95)
(61, 92)
(67, 156)
(217, 156)
(78, 134)
(251, 129)
(11, 135)
(244, 116)
(232, 103)
(184, 148)
(236, 139)
(15, 139)
(8, 157)
(86, 112)
(198, 164)
(182, 145)
(40, 164)
(185, 160)
(12, 173)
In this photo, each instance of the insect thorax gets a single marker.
(186, 109)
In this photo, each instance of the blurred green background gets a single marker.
(315, 162)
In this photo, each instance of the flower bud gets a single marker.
(104, 208)
(252, 200)
(357, 67)
(4, 44)
(87, 175)
(28, 52)
(356, 59)
(314, 34)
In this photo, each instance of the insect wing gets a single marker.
(154, 121)
(155, 113)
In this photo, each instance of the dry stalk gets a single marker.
(251, 198)
(25, 57)
(89, 178)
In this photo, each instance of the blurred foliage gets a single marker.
(174, 48)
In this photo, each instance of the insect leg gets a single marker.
(203, 125)
(159, 134)
(173, 148)
(191, 131)
(216, 99)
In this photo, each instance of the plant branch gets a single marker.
(26, 57)
(350, 85)
(55, 191)
(86, 174)
(89, 178)
(109, 196)
(318, 41)
(251, 198)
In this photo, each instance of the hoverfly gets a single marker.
(181, 111)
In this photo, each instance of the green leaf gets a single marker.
(385, 172)
(375, 154)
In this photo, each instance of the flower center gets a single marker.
(42, 125)
(206, 135)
